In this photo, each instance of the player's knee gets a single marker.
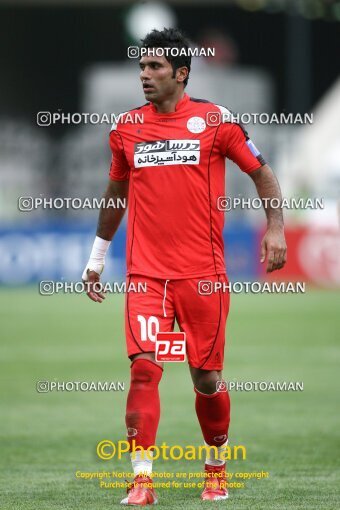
(143, 401)
(145, 372)
(205, 381)
(207, 387)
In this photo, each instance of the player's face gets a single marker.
(157, 78)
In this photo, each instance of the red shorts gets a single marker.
(200, 314)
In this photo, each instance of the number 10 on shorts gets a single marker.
(170, 346)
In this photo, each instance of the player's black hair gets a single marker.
(170, 38)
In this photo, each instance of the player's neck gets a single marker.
(169, 105)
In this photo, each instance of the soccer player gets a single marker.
(172, 169)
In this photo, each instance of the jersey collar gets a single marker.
(179, 106)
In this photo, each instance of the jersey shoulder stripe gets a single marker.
(229, 116)
(120, 116)
(195, 100)
(226, 113)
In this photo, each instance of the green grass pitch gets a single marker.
(46, 438)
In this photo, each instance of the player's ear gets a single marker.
(181, 74)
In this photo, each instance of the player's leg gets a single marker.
(203, 318)
(144, 318)
(143, 409)
(213, 413)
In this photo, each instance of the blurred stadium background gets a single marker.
(271, 56)
(274, 56)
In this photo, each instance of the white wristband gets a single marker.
(97, 258)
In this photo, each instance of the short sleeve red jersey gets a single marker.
(176, 166)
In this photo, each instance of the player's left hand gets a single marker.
(274, 248)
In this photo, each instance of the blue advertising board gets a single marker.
(59, 251)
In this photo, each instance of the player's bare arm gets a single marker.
(108, 222)
(273, 245)
(110, 217)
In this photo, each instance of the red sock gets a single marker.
(213, 413)
(143, 406)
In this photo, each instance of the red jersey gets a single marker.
(176, 166)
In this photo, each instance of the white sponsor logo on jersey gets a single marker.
(167, 152)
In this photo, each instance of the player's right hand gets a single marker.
(93, 293)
